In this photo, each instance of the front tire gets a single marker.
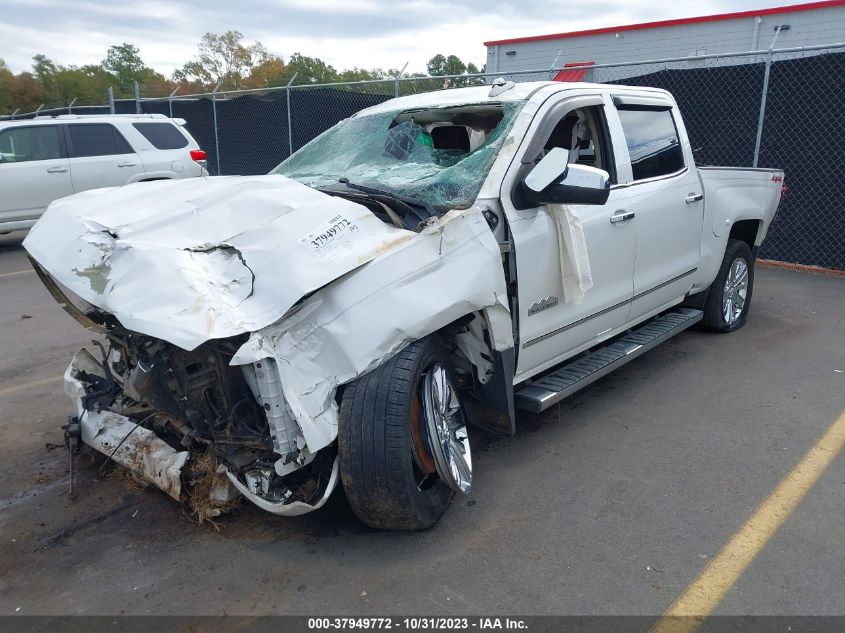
(392, 476)
(729, 297)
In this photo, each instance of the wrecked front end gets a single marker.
(230, 314)
(175, 277)
(150, 406)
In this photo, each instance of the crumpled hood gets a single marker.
(203, 258)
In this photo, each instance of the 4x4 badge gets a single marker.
(542, 304)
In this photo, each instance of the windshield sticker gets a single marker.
(336, 237)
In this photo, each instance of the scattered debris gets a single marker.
(210, 493)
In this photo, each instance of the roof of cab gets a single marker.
(481, 94)
(457, 96)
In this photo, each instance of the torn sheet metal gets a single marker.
(452, 268)
(142, 452)
(120, 438)
(475, 349)
(197, 259)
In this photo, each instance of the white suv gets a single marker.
(47, 158)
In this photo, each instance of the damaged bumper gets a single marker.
(294, 508)
(121, 438)
(138, 449)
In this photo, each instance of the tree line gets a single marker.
(223, 60)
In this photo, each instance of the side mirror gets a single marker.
(551, 169)
(573, 184)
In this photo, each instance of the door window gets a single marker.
(22, 144)
(652, 140)
(583, 133)
(97, 139)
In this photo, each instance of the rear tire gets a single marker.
(386, 463)
(729, 297)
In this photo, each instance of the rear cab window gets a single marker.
(653, 141)
(97, 139)
(162, 135)
(25, 144)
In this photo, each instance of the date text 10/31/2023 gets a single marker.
(418, 624)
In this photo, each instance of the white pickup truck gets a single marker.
(425, 266)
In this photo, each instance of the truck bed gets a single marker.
(740, 193)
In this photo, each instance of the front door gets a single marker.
(553, 326)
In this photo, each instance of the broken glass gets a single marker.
(439, 156)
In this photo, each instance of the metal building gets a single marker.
(806, 24)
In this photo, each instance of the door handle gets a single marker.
(57, 170)
(694, 197)
(622, 217)
(127, 164)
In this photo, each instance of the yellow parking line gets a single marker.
(8, 391)
(17, 273)
(690, 610)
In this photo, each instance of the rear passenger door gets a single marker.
(33, 171)
(663, 193)
(100, 156)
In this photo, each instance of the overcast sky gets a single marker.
(344, 33)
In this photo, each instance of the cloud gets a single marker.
(345, 33)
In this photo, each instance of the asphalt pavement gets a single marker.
(611, 503)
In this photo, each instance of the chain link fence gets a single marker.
(781, 108)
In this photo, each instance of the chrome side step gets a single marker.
(550, 389)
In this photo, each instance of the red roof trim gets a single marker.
(809, 6)
(577, 71)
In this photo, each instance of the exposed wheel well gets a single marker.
(746, 231)
(485, 375)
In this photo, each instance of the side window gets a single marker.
(97, 139)
(583, 132)
(652, 140)
(162, 135)
(23, 144)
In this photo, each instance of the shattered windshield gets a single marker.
(438, 156)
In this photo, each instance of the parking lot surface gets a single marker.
(611, 503)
